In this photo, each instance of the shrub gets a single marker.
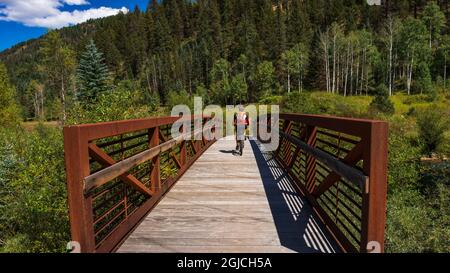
(179, 98)
(435, 185)
(408, 222)
(381, 101)
(403, 170)
(271, 100)
(411, 111)
(417, 219)
(126, 101)
(412, 99)
(33, 210)
(324, 103)
(201, 91)
(303, 103)
(417, 195)
(152, 100)
(432, 124)
(265, 79)
(423, 83)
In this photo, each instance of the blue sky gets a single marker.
(21, 20)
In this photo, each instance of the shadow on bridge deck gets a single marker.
(228, 203)
(290, 211)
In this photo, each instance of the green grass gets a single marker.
(403, 102)
(31, 125)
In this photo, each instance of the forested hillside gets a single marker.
(246, 50)
(329, 57)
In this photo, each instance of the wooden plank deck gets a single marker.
(229, 203)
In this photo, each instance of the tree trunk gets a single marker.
(338, 73)
(390, 62)
(154, 74)
(63, 101)
(300, 75)
(362, 71)
(357, 75)
(430, 34)
(161, 83)
(346, 71)
(326, 60)
(42, 103)
(342, 74)
(410, 76)
(301, 82)
(289, 81)
(327, 68)
(190, 85)
(351, 72)
(394, 72)
(445, 71)
(36, 104)
(334, 65)
(367, 76)
(148, 80)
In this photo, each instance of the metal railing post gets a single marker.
(155, 179)
(374, 197)
(80, 207)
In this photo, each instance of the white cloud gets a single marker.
(48, 13)
(76, 2)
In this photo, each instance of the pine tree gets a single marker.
(9, 112)
(176, 21)
(381, 101)
(106, 42)
(209, 37)
(434, 19)
(267, 29)
(281, 45)
(299, 27)
(220, 78)
(175, 44)
(227, 26)
(92, 73)
(150, 28)
(209, 27)
(163, 40)
(136, 43)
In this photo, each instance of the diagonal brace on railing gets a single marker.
(104, 159)
(351, 158)
(101, 177)
(335, 165)
(291, 161)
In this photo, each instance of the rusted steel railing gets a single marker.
(340, 166)
(118, 171)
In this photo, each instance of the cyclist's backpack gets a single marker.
(241, 118)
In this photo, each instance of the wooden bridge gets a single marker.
(133, 188)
